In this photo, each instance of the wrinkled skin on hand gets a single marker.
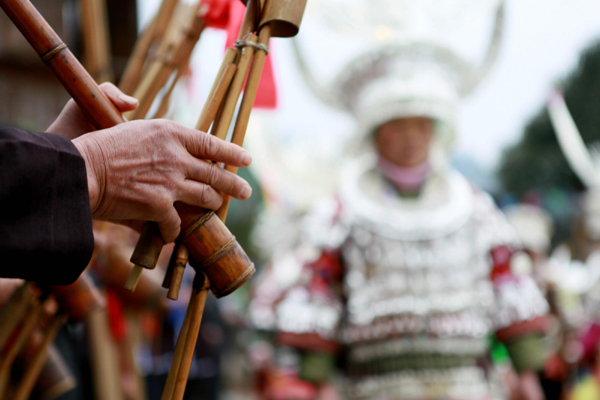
(137, 170)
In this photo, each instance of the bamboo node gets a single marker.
(217, 255)
(50, 54)
(239, 44)
(193, 227)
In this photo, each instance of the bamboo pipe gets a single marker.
(55, 379)
(236, 89)
(37, 362)
(103, 114)
(14, 310)
(241, 125)
(229, 58)
(215, 101)
(94, 104)
(181, 260)
(104, 358)
(162, 68)
(11, 353)
(135, 64)
(166, 100)
(197, 302)
(96, 40)
(156, 29)
(177, 355)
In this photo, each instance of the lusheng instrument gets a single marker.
(221, 263)
(30, 320)
(224, 261)
(277, 18)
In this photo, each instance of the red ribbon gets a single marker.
(228, 15)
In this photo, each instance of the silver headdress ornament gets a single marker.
(402, 78)
(585, 163)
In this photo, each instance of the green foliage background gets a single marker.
(536, 162)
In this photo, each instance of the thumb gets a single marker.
(122, 101)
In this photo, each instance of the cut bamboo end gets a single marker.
(175, 286)
(182, 256)
(168, 277)
(134, 278)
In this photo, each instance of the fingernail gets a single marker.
(128, 99)
(246, 159)
(245, 192)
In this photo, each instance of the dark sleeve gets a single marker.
(45, 220)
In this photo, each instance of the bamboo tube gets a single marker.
(241, 125)
(161, 69)
(169, 274)
(94, 104)
(236, 89)
(197, 303)
(181, 260)
(14, 310)
(226, 263)
(96, 40)
(55, 378)
(37, 362)
(214, 102)
(164, 16)
(13, 350)
(166, 100)
(230, 56)
(104, 358)
(163, 45)
(135, 64)
(177, 355)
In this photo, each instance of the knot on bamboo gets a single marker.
(239, 44)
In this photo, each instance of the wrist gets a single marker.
(92, 179)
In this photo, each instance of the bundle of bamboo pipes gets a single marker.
(205, 242)
(29, 322)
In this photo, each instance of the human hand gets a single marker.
(71, 123)
(137, 170)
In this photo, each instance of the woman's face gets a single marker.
(405, 141)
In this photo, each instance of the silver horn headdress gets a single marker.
(406, 74)
(585, 163)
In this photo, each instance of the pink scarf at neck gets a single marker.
(406, 179)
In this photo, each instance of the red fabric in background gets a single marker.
(228, 15)
(116, 316)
